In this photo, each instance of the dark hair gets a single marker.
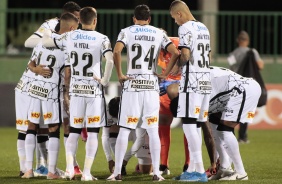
(71, 7)
(87, 15)
(142, 12)
(69, 16)
(114, 107)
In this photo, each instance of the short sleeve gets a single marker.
(185, 38)
(61, 41)
(165, 41)
(122, 37)
(257, 56)
(106, 45)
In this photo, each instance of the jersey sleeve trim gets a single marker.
(37, 35)
(106, 51)
(122, 42)
(167, 45)
(181, 47)
(67, 66)
(56, 43)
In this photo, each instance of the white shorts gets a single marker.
(142, 107)
(22, 103)
(88, 111)
(242, 107)
(52, 112)
(35, 113)
(193, 105)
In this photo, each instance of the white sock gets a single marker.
(43, 153)
(155, 148)
(232, 148)
(71, 147)
(53, 151)
(194, 141)
(106, 143)
(120, 149)
(21, 154)
(113, 141)
(138, 143)
(223, 156)
(30, 141)
(91, 150)
(191, 167)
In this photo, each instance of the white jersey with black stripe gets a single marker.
(84, 50)
(143, 43)
(49, 88)
(48, 24)
(195, 77)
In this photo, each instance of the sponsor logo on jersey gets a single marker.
(138, 29)
(197, 110)
(251, 115)
(26, 122)
(20, 85)
(204, 85)
(38, 91)
(93, 119)
(47, 116)
(142, 84)
(19, 121)
(206, 113)
(198, 27)
(83, 89)
(78, 120)
(152, 120)
(132, 120)
(79, 36)
(35, 115)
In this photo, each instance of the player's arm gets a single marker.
(174, 57)
(47, 41)
(108, 68)
(39, 69)
(32, 41)
(117, 61)
(184, 57)
(67, 88)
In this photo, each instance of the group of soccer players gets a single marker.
(64, 80)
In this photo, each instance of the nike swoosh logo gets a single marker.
(237, 178)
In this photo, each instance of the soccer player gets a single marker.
(140, 85)
(194, 89)
(83, 79)
(46, 92)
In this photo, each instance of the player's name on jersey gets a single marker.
(203, 37)
(81, 45)
(38, 91)
(144, 38)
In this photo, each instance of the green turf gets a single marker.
(262, 159)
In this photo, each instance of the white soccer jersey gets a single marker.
(84, 49)
(48, 24)
(195, 77)
(48, 88)
(225, 83)
(143, 46)
(27, 77)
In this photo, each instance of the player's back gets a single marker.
(143, 44)
(85, 49)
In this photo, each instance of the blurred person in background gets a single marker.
(236, 61)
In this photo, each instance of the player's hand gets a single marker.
(123, 78)
(67, 102)
(111, 166)
(164, 84)
(212, 169)
(43, 70)
(101, 81)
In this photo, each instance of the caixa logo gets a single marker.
(138, 29)
(80, 36)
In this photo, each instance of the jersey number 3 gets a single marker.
(204, 50)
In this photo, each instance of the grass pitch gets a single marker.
(262, 159)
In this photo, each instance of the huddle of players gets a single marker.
(79, 53)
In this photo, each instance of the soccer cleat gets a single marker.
(21, 174)
(123, 170)
(88, 178)
(222, 172)
(164, 170)
(114, 178)
(41, 171)
(77, 171)
(53, 176)
(188, 176)
(60, 173)
(158, 178)
(28, 174)
(202, 177)
(235, 176)
(69, 175)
